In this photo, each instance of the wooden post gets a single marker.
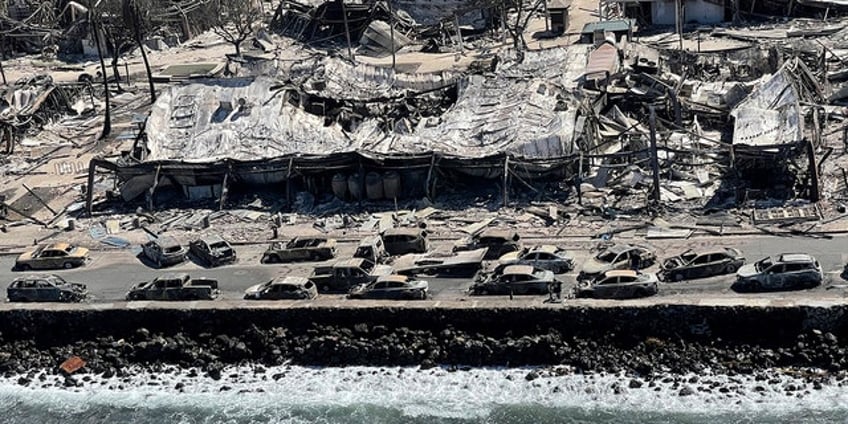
(814, 172)
(92, 169)
(153, 188)
(506, 181)
(458, 33)
(580, 180)
(288, 181)
(654, 161)
(392, 32)
(429, 188)
(224, 190)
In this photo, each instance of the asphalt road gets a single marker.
(110, 273)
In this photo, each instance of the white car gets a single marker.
(619, 284)
(547, 257)
(788, 271)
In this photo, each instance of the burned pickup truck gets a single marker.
(342, 275)
(300, 249)
(175, 287)
(459, 264)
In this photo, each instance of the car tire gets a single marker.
(483, 292)
(677, 277)
(731, 269)
(67, 265)
(325, 288)
(26, 267)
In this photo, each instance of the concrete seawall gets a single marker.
(739, 323)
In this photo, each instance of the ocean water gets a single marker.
(409, 395)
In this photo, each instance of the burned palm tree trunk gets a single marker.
(107, 119)
(146, 65)
(2, 58)
(115, 49)
(133, 17)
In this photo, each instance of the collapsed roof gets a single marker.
(252, 118)
(771, 116)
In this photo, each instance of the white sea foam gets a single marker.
(436, 392)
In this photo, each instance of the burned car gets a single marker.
(52, 256)
(343, 275)
(212, 250)
(371, 248)
(404, 240)
(45, 288)
(281, 288)
(617, 256)
(618, 284)
(300, 249)
(691, 264)
(164, 251)
(175, 287)
(545, 257)
(788, 271)
(515, 279)
(394, 287)
(498, 242)
(455, 264)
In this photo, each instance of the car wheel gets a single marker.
(483, 292)
(677, 277)
(731, 269)
(325, 288)
(26, 267)
(67, 265)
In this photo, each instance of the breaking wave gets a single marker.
(402, 395)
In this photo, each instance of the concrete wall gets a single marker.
(767, 325)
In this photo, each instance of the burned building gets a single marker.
(206, 136)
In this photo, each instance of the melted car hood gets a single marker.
(594, 266)
(748, 270)
(511, 256)
(256, 288)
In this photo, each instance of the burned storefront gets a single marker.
(351, 131)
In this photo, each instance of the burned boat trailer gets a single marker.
(557, 115)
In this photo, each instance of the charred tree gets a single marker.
(96, 28)
(233, 20)
(516, 25)
(135, 14)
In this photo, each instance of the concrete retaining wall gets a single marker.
(765, 325)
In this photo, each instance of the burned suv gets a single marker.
(164, 251)
(788, 271)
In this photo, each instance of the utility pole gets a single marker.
(392, 32)
(2, 58)
(655, 166)
(678, 22)
(347, 30)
